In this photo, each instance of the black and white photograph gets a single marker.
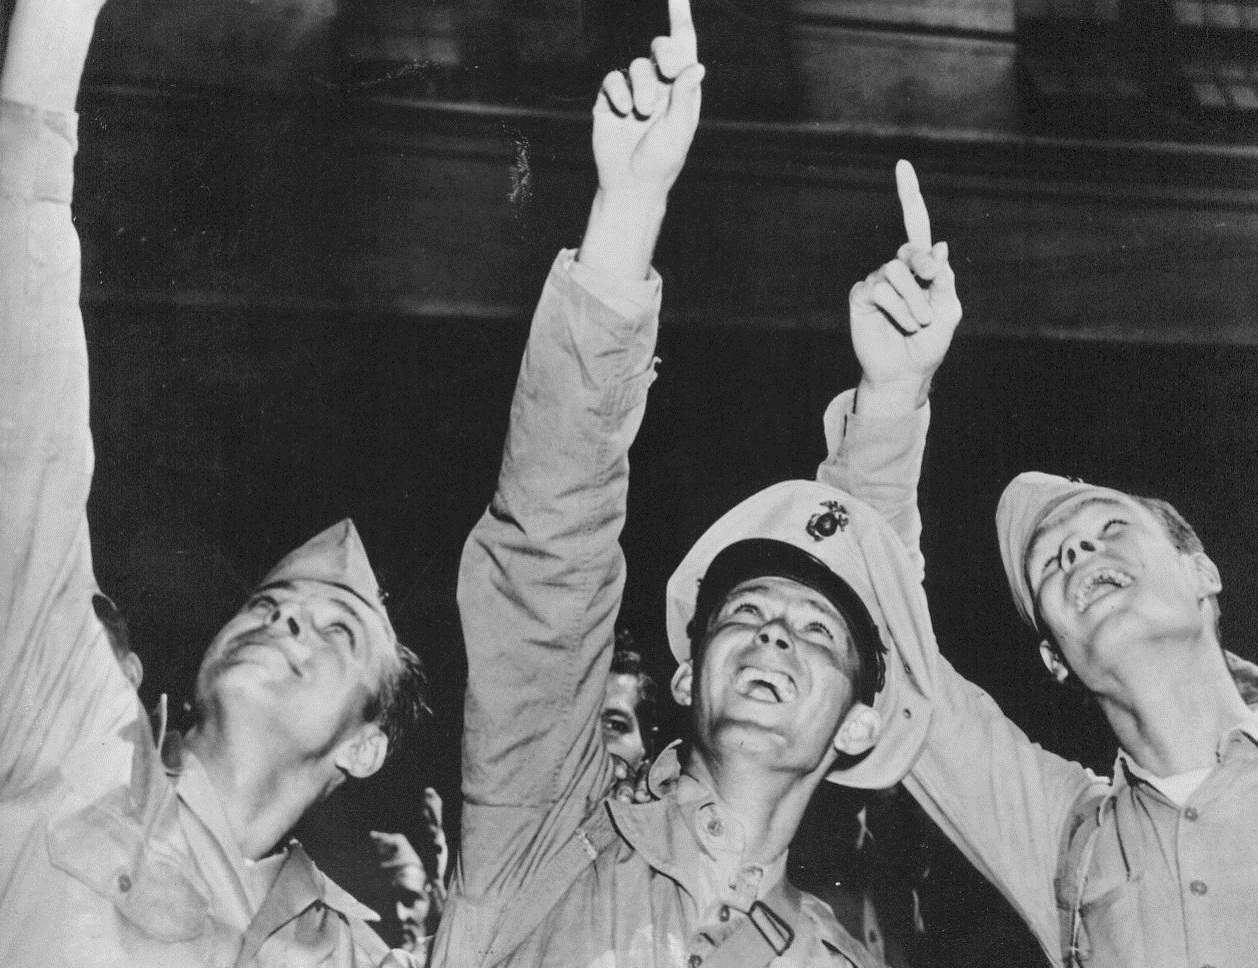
(629, 483)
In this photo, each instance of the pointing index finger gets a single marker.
(916, 218)
(681, 27)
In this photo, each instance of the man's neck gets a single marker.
(768, 804)
(261, 800)
(1169, 718)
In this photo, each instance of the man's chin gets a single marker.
(235, 680)
(739, 734)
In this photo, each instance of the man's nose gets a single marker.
(284, 616)
(1077, 547)
(776, 633)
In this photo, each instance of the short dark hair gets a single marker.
(627, 661)
(1181, 533)
(401, 702)
(1183, 537)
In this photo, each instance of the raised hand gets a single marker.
(47, 47)
(645, 119)
(904, 314)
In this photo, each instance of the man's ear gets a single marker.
(683, 682)
(1208, 580)
(1053, 661)
(362, 754)
(133, 669)
(859, 730)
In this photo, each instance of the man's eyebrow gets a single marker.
(747, 590)
(283, 585)
(821, 603)
(348, 610)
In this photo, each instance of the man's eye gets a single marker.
(262, 602)
(821, 629)
(1112, 525)
(614, 724)
(342, 633)
(748, 608)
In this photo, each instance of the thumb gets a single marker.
(689, 79)
(686, 96)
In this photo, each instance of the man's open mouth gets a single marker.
(1097, 585)
(264, 643)
(764, 685)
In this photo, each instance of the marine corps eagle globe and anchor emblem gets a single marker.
(825, 523)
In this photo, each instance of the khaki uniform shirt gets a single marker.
(1166, 886)
(107, 857)
(549, 871)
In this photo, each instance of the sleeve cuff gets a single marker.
(628, 299)
(37, 148)
(841, 422)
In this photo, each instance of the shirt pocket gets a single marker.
(1111, 934)
(151, 884)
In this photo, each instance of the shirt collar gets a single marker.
(298, 883)
(1125, 764)
(709, 831)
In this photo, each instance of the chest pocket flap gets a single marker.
(145, 869)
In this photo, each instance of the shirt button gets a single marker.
(124, 883)
(723, 914)
(1191, 814)
(695, 961)
(1198, 887)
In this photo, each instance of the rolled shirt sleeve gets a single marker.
(1000, 798)
(541, 578)
(879, 460)
(59, 683)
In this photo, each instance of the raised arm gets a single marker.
(59, 683)
(542, 573)
(1002, 799)
(903, 317)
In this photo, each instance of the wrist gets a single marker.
(621, 233)
(887, 399)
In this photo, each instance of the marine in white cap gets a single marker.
(113, 849)
(1158, 866)
(798, 619)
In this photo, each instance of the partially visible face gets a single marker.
(776, 675)
(301, 659)
(1106, 579)
(413, 902)
(622, 733)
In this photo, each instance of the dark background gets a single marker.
(313, 234)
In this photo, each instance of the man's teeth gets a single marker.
(1097, 584)
(764, 685)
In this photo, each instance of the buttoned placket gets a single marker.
(1193, 828)
(721, 836)
(1193, 834)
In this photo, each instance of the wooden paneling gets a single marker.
(986, 16)
(443, 211)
